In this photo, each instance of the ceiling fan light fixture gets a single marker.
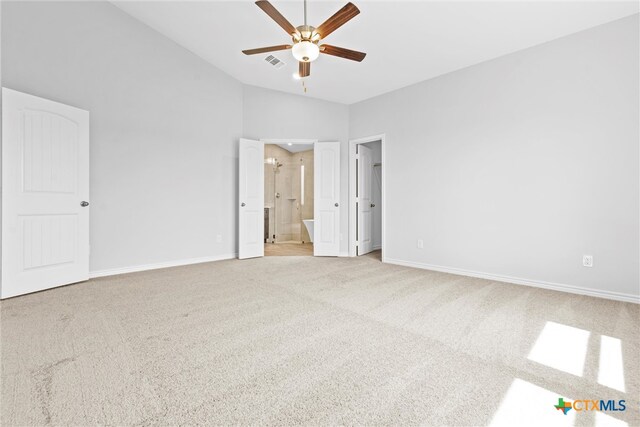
(307, 38)
(305, 51)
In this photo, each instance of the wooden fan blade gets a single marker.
(304, 69)
(342, 52)
(276, 16)
(340, 18)
(266, 49)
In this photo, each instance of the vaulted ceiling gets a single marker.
(405, 41)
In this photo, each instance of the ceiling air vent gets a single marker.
(274, 61)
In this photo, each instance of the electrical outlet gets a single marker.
(219, 238)
(420, 244)
(587, 260)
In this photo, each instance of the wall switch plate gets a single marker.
(420, 244)
(587, 260)
(219, 238)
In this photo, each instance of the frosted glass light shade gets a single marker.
(305, 51)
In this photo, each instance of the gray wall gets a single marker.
(164, 127)
(519, 166)
(268, 114)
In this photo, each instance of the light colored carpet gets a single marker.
(304, 340)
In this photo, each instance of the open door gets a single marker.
(364, 200)
(251, 199)
(326, 240)
(45, 180)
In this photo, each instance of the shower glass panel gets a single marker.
(286, 202)
(288, 194)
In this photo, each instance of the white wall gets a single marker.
(164, 127)
(269, 114)
(518, 166)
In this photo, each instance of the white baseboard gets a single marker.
(136, 268)
(343, 254)
(518, 281)
(376, 247)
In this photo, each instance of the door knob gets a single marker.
(84, 204)
(373, 205)
(336, 205)
(243, 205)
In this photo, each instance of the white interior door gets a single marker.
(45, 176)
(251, 199)
(364, 200)
(326, 235)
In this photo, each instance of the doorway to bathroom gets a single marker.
(288, 198)
(322, 197)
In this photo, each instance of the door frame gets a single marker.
(353, 211)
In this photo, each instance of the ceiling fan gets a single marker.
(306, 39)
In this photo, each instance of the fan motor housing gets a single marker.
(306, 33)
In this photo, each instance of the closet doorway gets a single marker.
(367, 194)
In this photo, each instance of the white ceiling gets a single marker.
(406, 41)
(296, 148)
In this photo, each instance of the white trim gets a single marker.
(352, 191)
(518, 281)
(167, 264)
(377, 247)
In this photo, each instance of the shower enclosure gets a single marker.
(287, 194)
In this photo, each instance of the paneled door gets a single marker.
(45, 175)
(326, 235)
(251, 199)
(364, 200)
